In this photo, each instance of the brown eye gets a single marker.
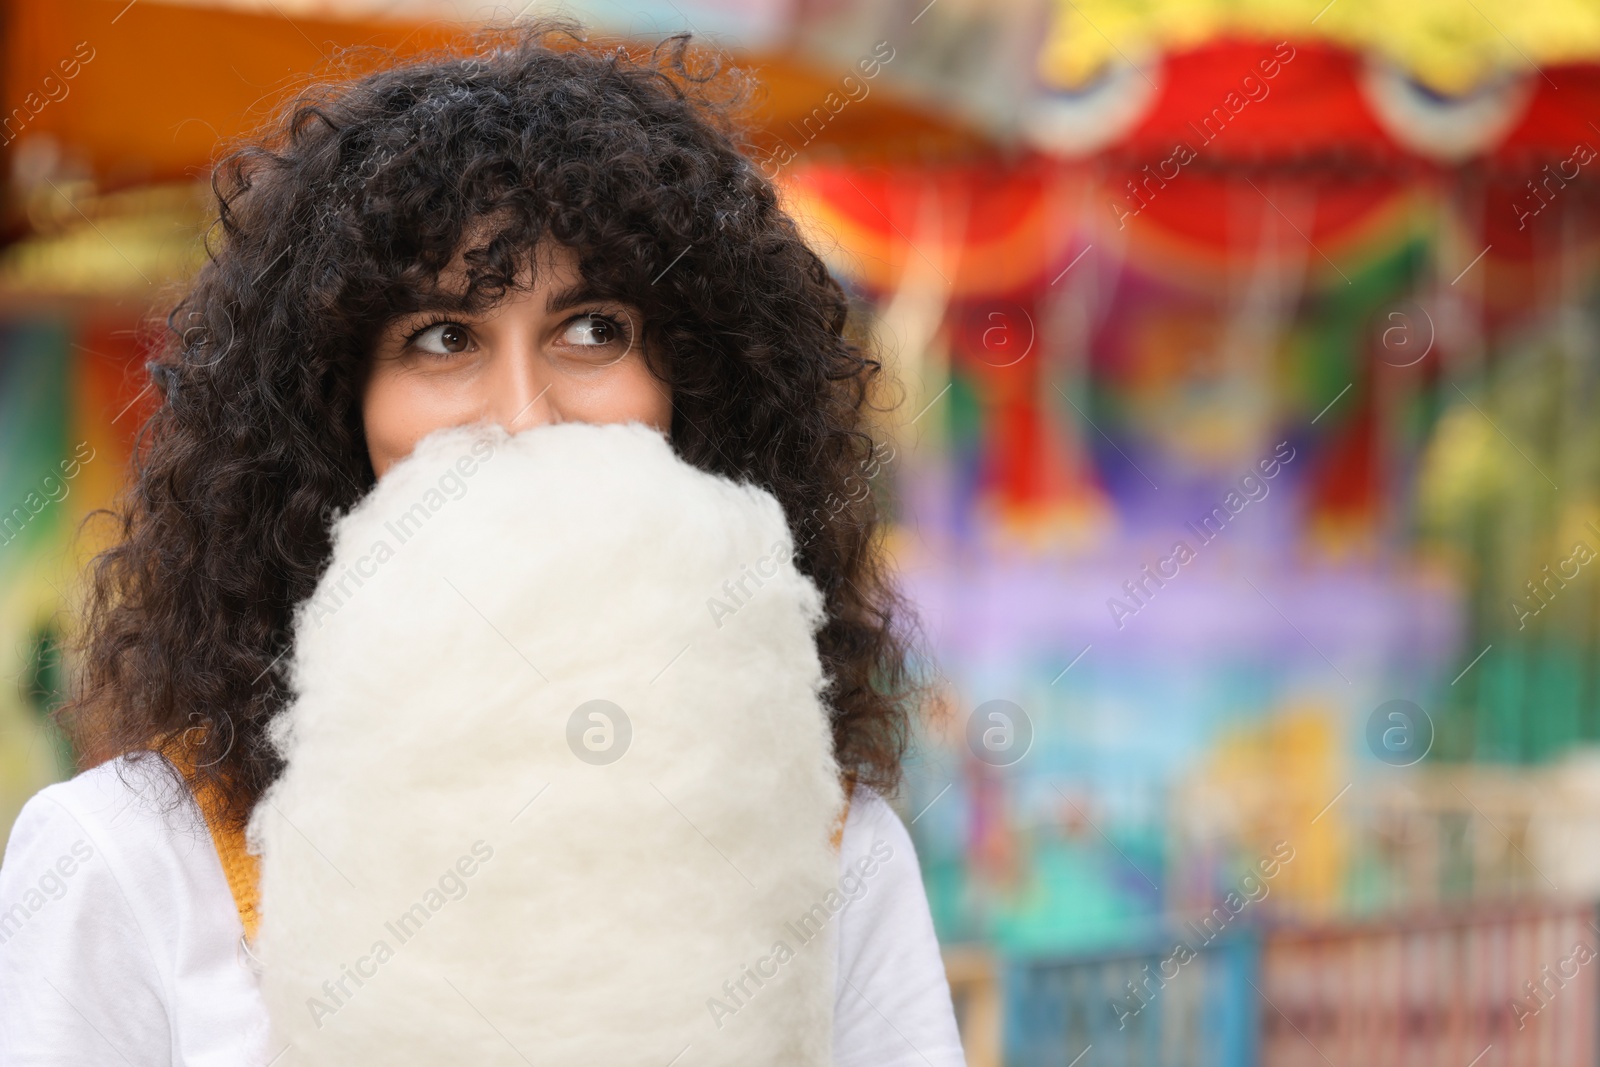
(442, 339)
(590, 330)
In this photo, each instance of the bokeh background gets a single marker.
(1246, 476)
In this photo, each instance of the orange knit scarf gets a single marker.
(240, 866)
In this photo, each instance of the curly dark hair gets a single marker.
(341, 215)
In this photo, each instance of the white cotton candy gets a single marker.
(452, 872)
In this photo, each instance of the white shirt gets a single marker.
(120, 941)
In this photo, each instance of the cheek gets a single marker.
(628, 393)
(379, 421)
(655, 401)
(652, 400)
(397, 411)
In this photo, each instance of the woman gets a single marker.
(531, 231)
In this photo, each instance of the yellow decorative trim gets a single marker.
(1449, 45)
(844, 813)
(243, 871)
(240, 867)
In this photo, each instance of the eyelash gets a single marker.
(438, 320)
(620, 325)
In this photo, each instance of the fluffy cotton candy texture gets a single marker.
(562, 912)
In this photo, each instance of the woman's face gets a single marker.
(543, 354)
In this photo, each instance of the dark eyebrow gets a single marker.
(583, 292)
(425, 303)
(443, 300)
